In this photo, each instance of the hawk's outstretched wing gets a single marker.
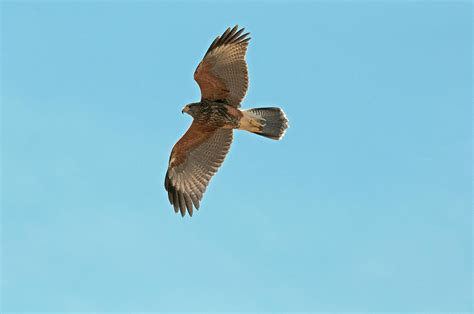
(222, 73)
(195, 158)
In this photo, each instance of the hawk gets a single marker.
(222, 77)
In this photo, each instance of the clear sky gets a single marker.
(365, 205)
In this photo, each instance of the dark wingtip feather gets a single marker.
(189, 204)
(230, 36)
(182, 204)
(180, 201)
(175, 201)
(175, 197)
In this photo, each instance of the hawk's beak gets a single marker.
(185, 109)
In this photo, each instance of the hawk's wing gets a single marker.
(222, 73)
(195, 158)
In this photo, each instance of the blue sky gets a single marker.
(364, 206)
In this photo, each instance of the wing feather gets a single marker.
(195, 158)
(223, 74)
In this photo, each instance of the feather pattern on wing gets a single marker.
(195, 158)
(223, 74)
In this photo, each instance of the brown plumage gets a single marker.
(222, 74)
(223, 79)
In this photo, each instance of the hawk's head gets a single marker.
(191, 109)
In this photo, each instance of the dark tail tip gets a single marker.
(275, 124)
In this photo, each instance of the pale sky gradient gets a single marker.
(364, 206)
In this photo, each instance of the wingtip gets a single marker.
(230, 35)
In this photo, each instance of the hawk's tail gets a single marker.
(268, 122)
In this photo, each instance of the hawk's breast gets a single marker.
(218, 115)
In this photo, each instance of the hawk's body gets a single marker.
(217, 114)
(223, 79)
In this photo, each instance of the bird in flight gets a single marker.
(222, 76)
